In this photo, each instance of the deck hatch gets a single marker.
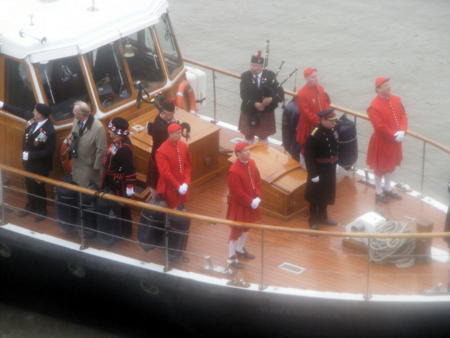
(291, 268)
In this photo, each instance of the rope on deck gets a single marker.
(399, 251)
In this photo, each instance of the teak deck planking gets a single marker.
(328, 265)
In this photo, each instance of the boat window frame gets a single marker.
(182, 67)
(86, 82)
(127, 73)
(3, 58)
(160, 57)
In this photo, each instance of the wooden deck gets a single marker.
(328, 265)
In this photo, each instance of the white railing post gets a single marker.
(261, 283)
(422, 174)
(214, 97)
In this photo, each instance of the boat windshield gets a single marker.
(140, 53)
(18, 88)
(110, 79)
(168, 45)
(63, 83)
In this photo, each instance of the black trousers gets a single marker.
(36, 196)
(317, 213)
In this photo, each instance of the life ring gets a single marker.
(185, 90)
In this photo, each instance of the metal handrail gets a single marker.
(337, 107)
(210, 219)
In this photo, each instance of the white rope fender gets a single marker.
(399, 251)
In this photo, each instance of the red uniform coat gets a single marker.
(310, 101)
(244, 183)
(174, 166)
(387, 116)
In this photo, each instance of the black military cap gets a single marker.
(327, 114)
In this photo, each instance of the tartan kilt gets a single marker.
(264, 129)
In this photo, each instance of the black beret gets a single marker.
(43, 109)
(168, 106)
(257, 58)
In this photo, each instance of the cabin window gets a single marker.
(168, 45)
(18, 87)
(63, 84)
(109, 76)
(141, 55)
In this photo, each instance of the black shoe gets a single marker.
(245, 255)
(328, 222)
(39, 218)
(234, 263)
(381, 198)
(392, 194)
(23, 213)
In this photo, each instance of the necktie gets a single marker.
(81, 125)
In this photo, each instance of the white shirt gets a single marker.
(258, 79)
(39, 125)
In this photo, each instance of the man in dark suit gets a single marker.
(158, 131)
(258, 93)
(38, 147)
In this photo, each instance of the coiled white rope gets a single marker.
(399, 251)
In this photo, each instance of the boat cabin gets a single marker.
(103, 52)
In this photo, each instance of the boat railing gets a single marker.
(207, 249)
(420, 151)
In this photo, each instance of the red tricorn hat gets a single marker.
(308, 71)
(173, 127)
(380, 80)
(240, 146)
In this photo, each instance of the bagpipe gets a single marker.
(275, 90)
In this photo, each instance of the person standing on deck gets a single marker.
(389, 120)
(310, 99)
(258, 90)
(119, 175)
(244, 184)
(90, 138)
(39, 142)
(174, 165)
(321, 156)
(158, 131)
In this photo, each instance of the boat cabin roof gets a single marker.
(43, 30)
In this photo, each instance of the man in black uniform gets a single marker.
(158, 132)
(321, 156)
(38, 147)
(259, 100)
(120, 175)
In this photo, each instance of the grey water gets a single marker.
(350, 42)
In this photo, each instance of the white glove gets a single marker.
(25, 156)
(255, 202)
(1, 104)
(130, 191)
(315, 179)
(183, 189)
(399, 136)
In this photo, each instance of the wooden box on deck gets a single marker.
(203, 145)
(283, 181)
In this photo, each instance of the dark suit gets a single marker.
(159, 133)
(40, 158)
(321, 155)
(252, 121)
(40, 161)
